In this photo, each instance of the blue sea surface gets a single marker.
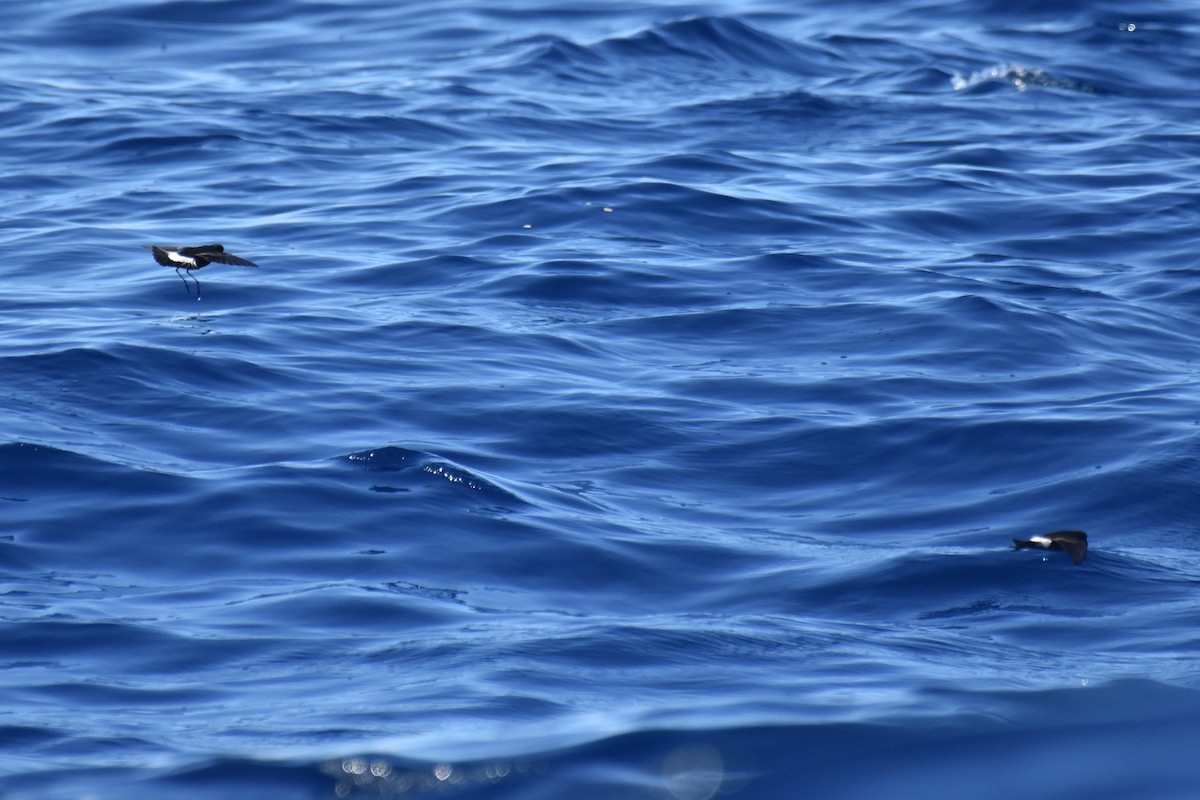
(633, 399)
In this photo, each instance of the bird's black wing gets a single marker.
(161, 256)
(1076, 550)
(227, 258)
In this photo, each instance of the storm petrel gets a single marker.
(191, 258)
(1074, 542)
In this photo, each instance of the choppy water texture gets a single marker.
(632, 399)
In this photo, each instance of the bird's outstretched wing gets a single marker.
(1076, 550)
(227, 258)
(161, 256)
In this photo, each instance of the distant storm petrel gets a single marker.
(191, 258)
(1074, 542)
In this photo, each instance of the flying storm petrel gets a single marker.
(1074, 542)
(191, 258)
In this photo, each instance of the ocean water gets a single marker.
(633, 399)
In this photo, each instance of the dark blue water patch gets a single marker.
(808, 122)
(113, 372)
(346, 608)
(726, 45)
(198, 526)
(1175, 288)
(791, 465)
(141, 650)
(838, 760)
(565, 60)
(991, 585)
(687, 167)
(736, 46)
(25, 736)
(92, 696)
(424, 468)
(596, 283)
(369, 124)
(711, 38)
(170, 149)
(95, 28)
(41, 477)
(671, 211)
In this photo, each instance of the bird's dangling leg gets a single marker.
(187, 288)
